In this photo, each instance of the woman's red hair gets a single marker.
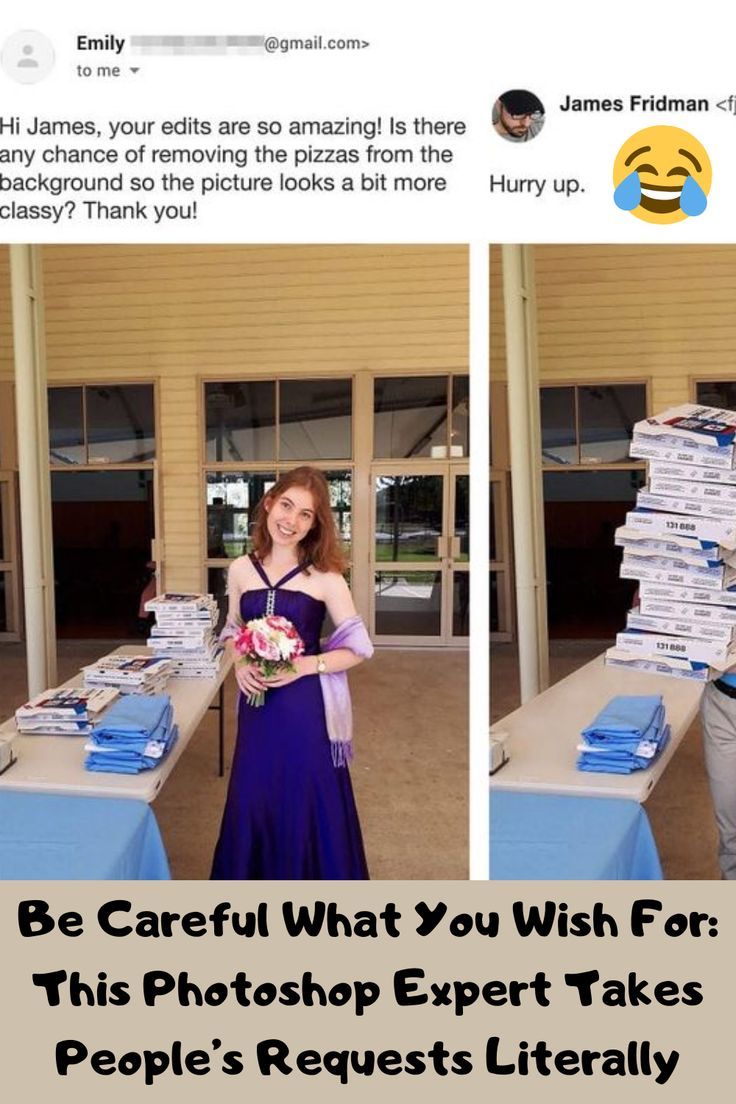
(321, 546)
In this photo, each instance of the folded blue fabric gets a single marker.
(128, 760)
(597, 737)
(135, 713)
(620, 761)
(626, 715)
(628, 734)
(135, 734)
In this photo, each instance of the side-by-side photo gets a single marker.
(234, 562)
(613, 562)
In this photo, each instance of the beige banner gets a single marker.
(221, 990)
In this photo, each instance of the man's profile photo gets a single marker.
(518, 115)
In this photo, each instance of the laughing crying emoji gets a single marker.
(662, 174)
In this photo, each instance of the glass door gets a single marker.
(458, 559)
(419, 555)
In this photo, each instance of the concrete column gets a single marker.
(526, 471)
(33, 465)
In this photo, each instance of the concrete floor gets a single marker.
(679, 809)
(409, 775)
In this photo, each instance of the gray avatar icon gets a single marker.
(27, 56)
(28, 62)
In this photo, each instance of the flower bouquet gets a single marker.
(270, 644)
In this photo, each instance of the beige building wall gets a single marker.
(176, 315)
(661, 314)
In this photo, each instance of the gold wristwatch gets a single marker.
(321, 666)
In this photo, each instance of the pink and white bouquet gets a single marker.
(271, 644)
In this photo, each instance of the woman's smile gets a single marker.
(291, 516)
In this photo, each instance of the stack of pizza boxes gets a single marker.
(679, 544)
(184, 633)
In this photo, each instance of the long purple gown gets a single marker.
(290, 814)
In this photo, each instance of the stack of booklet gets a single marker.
(129, 674)
(135, 735)
(628, 734)
(66, 711)
(184, 633)
(680, 545)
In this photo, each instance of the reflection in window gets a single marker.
(101, 424)
(120, 426)
(341, 501)
(559, 435)
(231, 499)
(718, 393)
(240, 421)
(495, 602)
(460, 442)
(408, 604)
(495, 543)
(408, 517)
(315, 420)
(4, 519)
(462, 517)
(590, 424)
(461, 603)
(66, 426)
(607, 418)
(289, 420)
(410, 416)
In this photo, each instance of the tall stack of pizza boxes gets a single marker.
(679, 544)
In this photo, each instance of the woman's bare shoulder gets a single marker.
(329, 581)
(240, 573)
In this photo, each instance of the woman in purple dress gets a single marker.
(290, 811)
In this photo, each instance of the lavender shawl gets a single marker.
(350, 634)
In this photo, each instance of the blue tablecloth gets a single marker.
(47, 836)
(550, 836)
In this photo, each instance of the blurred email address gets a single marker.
(209, 45)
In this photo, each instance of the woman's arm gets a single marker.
(249, 680)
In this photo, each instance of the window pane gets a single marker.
(217, 587)
(4, 594)
(103, 523)
(4, 517)
(410, 416)
(341, 501)
(231, 499)
(460, 416)
(240, 421)
(462, 517)
(720, 393)
(461, 603)
(408, 517)
(315, 419)
(492, 523)
(494, 597)
(559, 444)
(408, 604)
(120, 424)
(66, 428)
(585, 596)
(607, 417)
